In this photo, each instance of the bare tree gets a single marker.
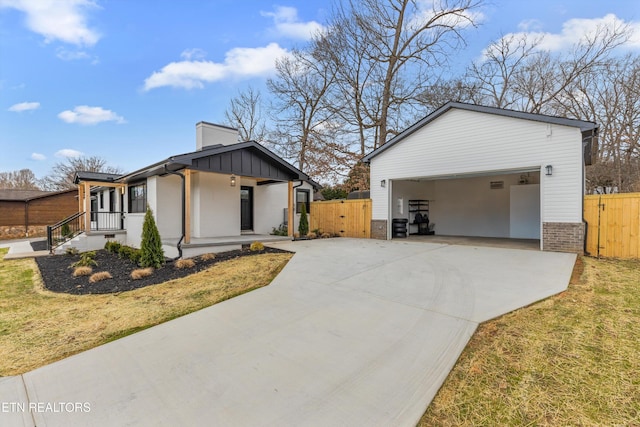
(389, 51)
(245, 113)
(63, 173)
(305, 129)
(23, 179)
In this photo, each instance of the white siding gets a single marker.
(271, 201)
(167, 205)
(465, 142)
(215, 206)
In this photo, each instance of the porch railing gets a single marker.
(64, 230)
(107, 221)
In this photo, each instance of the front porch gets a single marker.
(202, 245)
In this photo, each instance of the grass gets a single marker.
(573, 359)
(38, 327)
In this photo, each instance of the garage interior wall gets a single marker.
(471, 207)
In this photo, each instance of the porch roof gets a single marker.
(243, 159)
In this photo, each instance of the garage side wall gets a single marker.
(466, 142)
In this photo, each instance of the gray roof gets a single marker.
(26, 195)
(581, 124)
(95, 176)
(247, 158)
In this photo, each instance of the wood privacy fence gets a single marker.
(347, 218)
(613, 225)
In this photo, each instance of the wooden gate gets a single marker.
(347, 218)
(613, 225)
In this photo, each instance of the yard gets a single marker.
(569, 360)
(38, 327)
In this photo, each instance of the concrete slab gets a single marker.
(352, 332)
(14, 405)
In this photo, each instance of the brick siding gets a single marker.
(379, 229)
(563, 237)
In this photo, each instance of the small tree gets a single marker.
(152, 254)
(303, 227)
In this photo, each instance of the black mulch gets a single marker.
(40, 245)
(57, 275)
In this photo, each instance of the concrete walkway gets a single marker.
(352, 332)
(21, 249)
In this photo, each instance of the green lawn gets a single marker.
(571, 360)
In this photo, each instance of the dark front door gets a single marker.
(246, 208)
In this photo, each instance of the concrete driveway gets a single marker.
(352, 332)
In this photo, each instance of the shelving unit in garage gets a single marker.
(419, 217)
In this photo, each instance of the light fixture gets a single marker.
(549, 169)
(383, 183)
(233, 180)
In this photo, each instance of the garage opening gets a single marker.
(489, 205)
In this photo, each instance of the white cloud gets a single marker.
(428, 9)
(573, 31)
(85, 115)
(24, 106)
(38, 156)
(287, 23)
(530, 25)
(74, 55)
(239, 62)
(63, 20)
(68, 152)
(194, 53)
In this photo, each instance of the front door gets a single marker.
(246, 208)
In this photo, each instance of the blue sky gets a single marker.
(127, 80)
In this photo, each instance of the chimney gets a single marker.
(208, 134)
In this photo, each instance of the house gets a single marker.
(26, 213)
(484, 171)
(223, 194)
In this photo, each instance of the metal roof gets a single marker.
(95, 176)
(244, 159)
(581, 124)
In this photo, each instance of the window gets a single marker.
(302, 197)
(102, 200)
(137, 198)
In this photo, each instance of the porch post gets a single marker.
(187, 207)
(87, 207)
(80, 197)
(290, 211)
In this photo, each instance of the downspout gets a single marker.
(179, 245)
(26, 218)
(584, 168)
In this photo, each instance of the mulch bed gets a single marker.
(57, 275)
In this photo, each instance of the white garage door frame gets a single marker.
(538, 169)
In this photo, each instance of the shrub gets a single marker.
(112, 246)
(151, 254)
(72, 251)
(97, 277)
(82, 271)
(139, 273)
(65, 230)
(207, 257)
(256, 246)
(303, 227)
(280, 231)
(86, 260)
(312, 235)
(130, 253)
(325, 235)
(184, 263)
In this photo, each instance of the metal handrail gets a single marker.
(64, 230)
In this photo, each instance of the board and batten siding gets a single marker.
(462, 142)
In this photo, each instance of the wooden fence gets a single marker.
(347, 218)
(613, 225)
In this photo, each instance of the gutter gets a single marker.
(179, 245)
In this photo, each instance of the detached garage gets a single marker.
(469, 170)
